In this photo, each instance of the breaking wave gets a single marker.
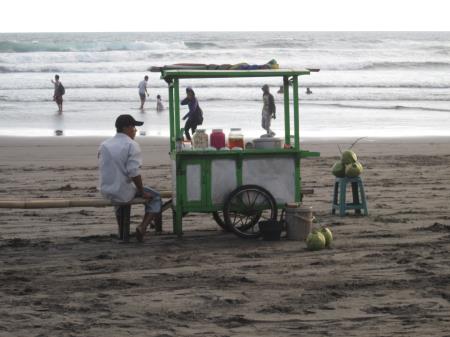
(89, 46)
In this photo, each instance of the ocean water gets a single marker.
(373, 84)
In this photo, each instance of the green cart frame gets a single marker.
(231, 184)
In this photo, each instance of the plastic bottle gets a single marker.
(235, 138)
(217, 138)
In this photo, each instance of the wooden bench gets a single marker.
(122, 215)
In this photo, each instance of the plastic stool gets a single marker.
(359, 198)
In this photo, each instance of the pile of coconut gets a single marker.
(348, 166)
(319, 239)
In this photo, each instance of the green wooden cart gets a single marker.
(239, 187)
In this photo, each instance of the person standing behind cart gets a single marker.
(268, 110)
(143, 91)
(194, 116)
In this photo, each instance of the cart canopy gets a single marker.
(194, 73)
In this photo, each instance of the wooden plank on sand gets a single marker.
(28, 203)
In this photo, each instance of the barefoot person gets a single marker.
(120, 161)
(268, 110)
(143, 91)
(159, 103)
(58, 93)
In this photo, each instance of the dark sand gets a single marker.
(64, 273)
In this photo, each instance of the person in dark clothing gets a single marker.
(58, 93)
(194, 116)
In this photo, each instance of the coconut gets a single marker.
(315, 240)
(326, 232)
(348, 157)
(353, 170)
(338, 169)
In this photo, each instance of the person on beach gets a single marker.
(159, 104)
(58, 93)
(308, 91)
(143, 91)
(268, 110)
(281, 90)
(120, 161)
(194, 116)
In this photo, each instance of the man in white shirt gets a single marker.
(143, 91)
(120, 161)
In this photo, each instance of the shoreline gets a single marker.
(302, 139)
(82, 151)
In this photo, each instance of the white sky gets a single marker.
(222, 15)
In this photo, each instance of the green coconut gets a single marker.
(348, 157)
(315, 240)
(353, 170)
(326, 232)
(338, 169)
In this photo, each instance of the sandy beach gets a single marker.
(63, 272)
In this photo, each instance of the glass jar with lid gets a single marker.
(217, 138)
(200, 139)
(235, 138)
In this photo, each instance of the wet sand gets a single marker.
(64, 273)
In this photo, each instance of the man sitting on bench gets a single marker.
(120, 161)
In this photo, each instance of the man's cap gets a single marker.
(265, 87)
(127, 120)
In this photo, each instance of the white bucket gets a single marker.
(298, 222)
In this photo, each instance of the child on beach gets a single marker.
(159, 104)
(281, 90)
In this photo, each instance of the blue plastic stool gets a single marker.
(359, 198)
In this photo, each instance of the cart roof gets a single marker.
(185, 73)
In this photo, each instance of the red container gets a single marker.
(217, 138)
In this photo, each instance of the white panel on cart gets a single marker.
(223, 179)
(277, 175)
(193, 182)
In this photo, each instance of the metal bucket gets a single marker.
(298, 222)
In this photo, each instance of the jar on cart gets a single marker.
(217, 138)
(235, 138)
(200, 139)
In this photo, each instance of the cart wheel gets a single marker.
(245, 206)
(218, 218)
